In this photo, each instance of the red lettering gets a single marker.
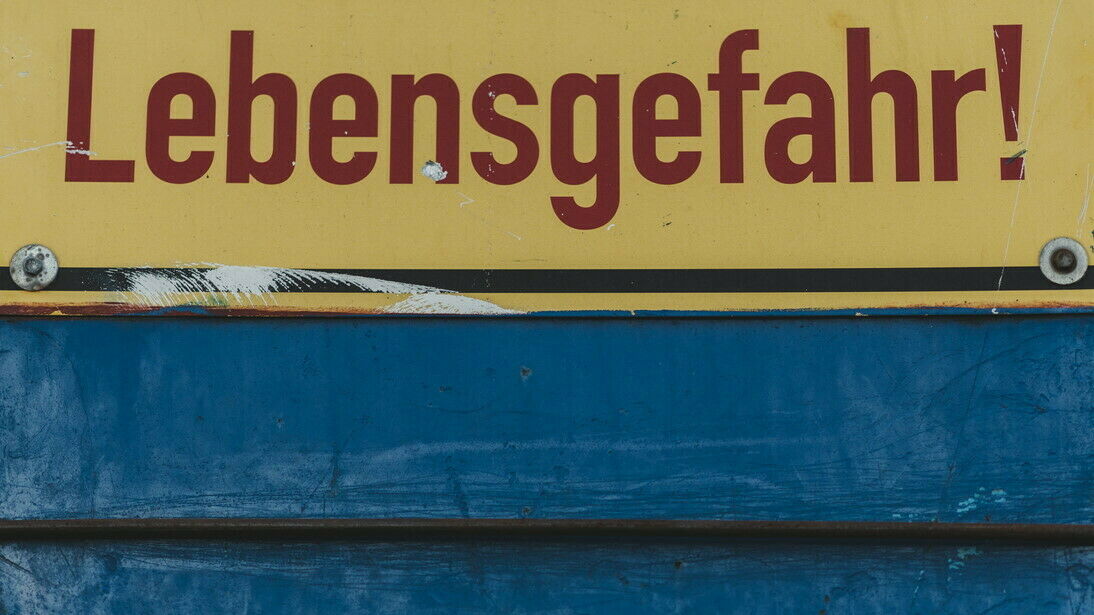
(946, 92)
(482, 105)
(404, 93)
(242, 92)
(604, 166)
(323, 128)
(161, 127)
(647, 127)
(79, 167)
(730, 83)
(861, 89)
(820, 126)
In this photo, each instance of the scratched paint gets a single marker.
(69, 148)
(213, 284)
(515, 417)
(586, 576)
(487, 178)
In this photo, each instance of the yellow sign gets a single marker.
(503, 157)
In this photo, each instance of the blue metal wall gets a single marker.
(884, 418)
(551, 577)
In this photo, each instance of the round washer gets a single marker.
(33, 267)
(1064, 261)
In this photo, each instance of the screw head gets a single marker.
(1063, 261)
(33, 267)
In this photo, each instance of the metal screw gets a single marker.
(33, 265)
(1064, 260)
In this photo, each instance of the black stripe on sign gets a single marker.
(905, 279)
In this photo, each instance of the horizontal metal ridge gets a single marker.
(433, 529)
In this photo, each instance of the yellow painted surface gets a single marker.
(306, 223)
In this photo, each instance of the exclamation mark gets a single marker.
(1008, 61)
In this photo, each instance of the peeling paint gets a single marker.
(982, 496)
(966, 505)
(72, 149)
(434, 171)
(958, 562)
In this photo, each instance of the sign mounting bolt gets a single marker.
(33, 267)
(1063, 261)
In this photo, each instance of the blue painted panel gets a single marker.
(554, 577)
(949, 418)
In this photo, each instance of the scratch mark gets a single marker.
(406, 453)
(9, 562)
(455, 487)
(36, 148)
(69, 148)
(1086, 202)
(8, 51)
(468, 200)
(1029, 143)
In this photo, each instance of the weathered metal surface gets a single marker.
(579, 155)
(831, 419)
(569, 576)
(804, 161)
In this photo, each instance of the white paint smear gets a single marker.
(446, 303)
(215, 284)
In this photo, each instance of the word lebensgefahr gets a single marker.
(729, 84)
